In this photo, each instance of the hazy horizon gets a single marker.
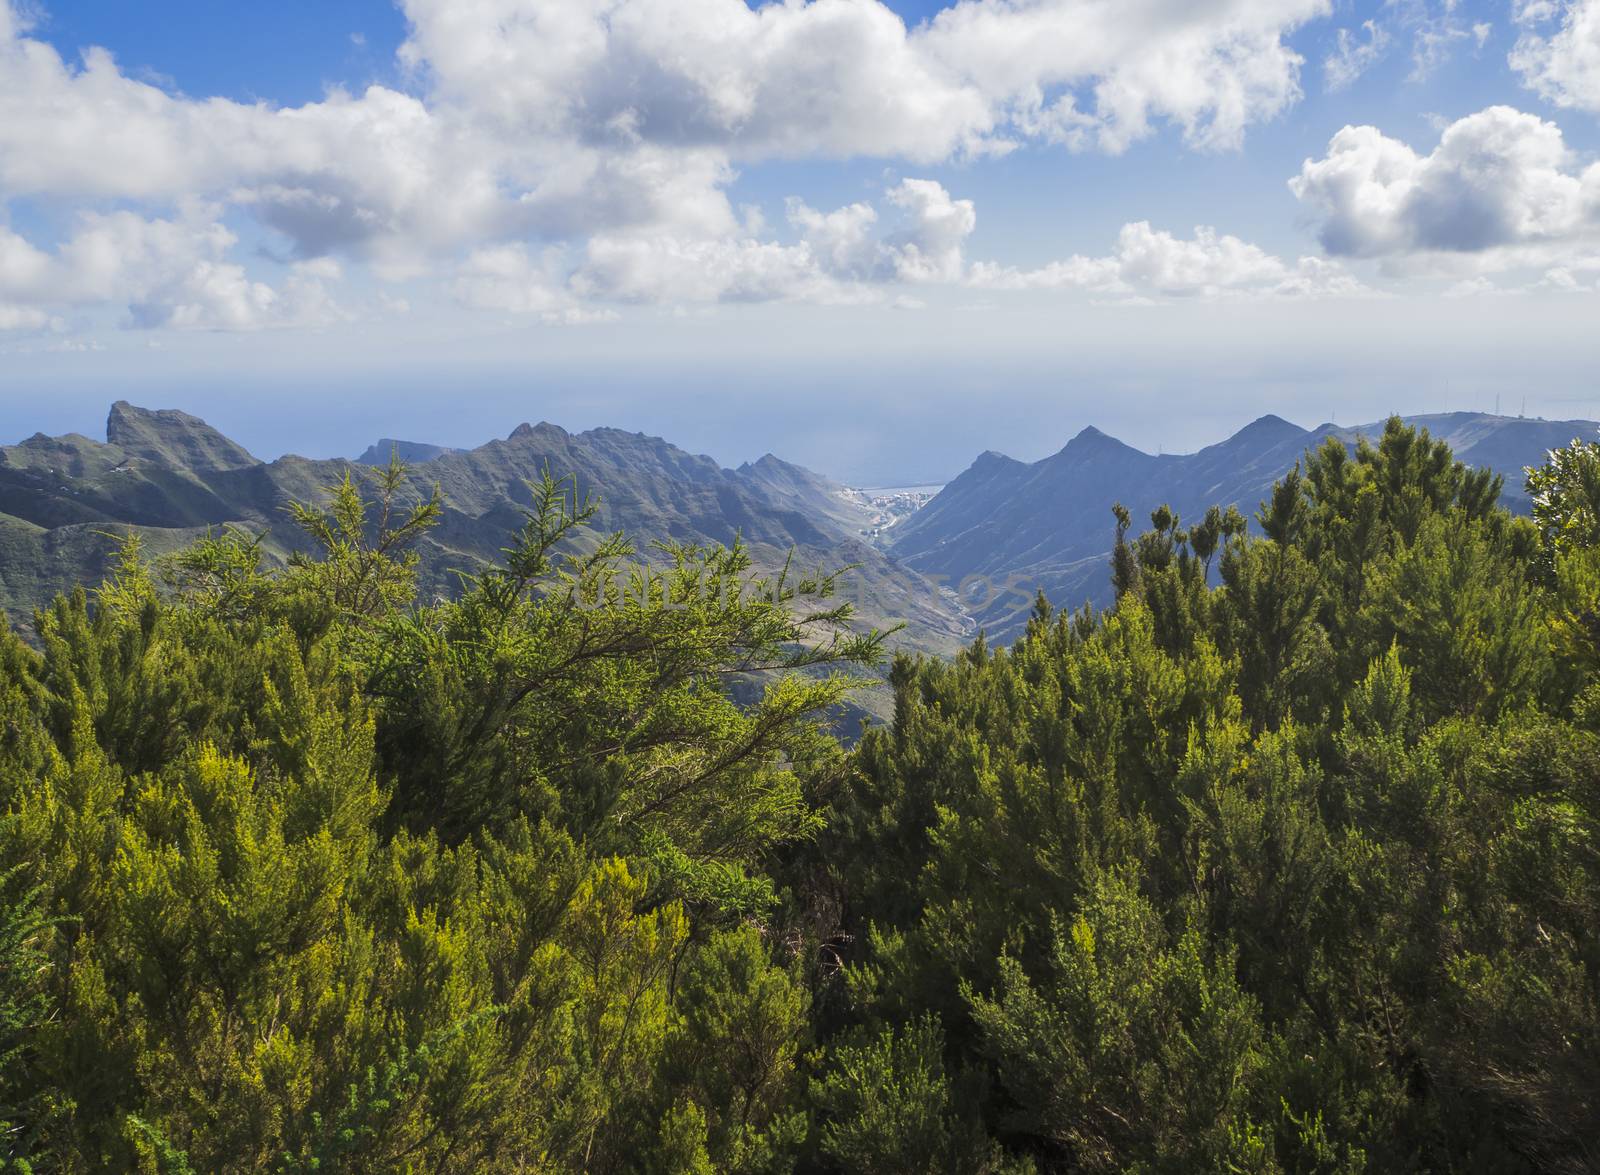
(268, 435)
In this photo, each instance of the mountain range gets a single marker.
(1007, 529)
(66, 501)
(973, 556)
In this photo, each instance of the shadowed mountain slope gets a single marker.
(411, 452)
(1011, 529)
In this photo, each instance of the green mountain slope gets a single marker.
(65, 503)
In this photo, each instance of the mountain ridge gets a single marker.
(1004, 521)
(168, 436)
(170, 476)
(1020, 526)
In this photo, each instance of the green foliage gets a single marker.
(1566, 498)
(1264, 875)
(24, 1010)
(1130, 1052)
(1288, 862)
(887, 1104)
(301, 874)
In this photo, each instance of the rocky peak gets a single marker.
(174, 439)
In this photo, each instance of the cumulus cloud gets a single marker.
(844, 242)
(163, 273)
(525, 101)
(616, 126)
(1149, 263)
(360, 174)
(930, 248)
(846, 77)
(927, 246)
(382, 177)
(1102, 74)
(851, 256)
(834, 77)
(669, 269)
(547, 158)
(507, 278)
(1501, 187)
(1558, 52)
(840, 256)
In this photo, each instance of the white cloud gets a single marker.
(839, 258)
(929, 249)
(1161, 262)
(515, 89)
(1558, 53)
(507, 278)
(1317, 277)
(843, 241)
(22, 318)
(834, 77)
(1437, 27)
(1561, 279)
(643, 268)
(164, 273)
(1151, 263)
(846, 77)
(610, 131)
(1102, 74)
(926, 247)
(1090, 273)
(1564, 280)
(511, 280)
(1355, 54)
(572, 115)
(1501, 188)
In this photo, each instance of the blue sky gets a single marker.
(876, 239)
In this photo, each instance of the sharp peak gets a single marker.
(1270, 420)
(992, 463)
(123, 414)
(770, 461)
(1091, 440)
(167, 434)
(1090, 433)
